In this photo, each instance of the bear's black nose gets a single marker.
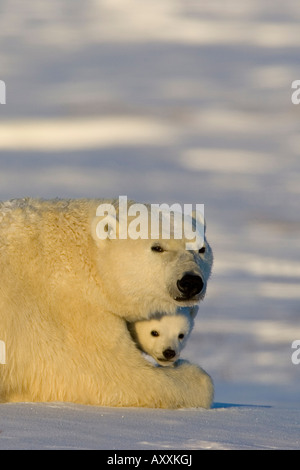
(190, 285)
(169, 353)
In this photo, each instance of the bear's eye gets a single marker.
(154, 333)
(202, 250)
(181, 336)
(157, 248)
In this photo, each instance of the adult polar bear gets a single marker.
(65, 297)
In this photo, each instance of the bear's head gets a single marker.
(164, 336)
(142, 273)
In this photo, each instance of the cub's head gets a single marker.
(141, 271)
(164, 336)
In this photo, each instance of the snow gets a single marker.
(69, 426)
(169, 101)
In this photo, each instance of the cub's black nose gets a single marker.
(190, 285)
(169, 354)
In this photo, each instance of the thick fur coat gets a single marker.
(65, 298)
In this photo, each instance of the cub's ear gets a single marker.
(104, 227)
(194, 310)
(188, 311)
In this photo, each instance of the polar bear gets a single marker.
(164, 336)
(66, 296)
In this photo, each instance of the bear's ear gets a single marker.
(104, 227)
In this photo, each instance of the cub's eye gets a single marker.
(157, 248)
(202, 250)
(154, 333)
(181, 336)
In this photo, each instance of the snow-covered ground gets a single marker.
(68, 426)
(170, 101)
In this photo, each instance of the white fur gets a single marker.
(164, 335)
(66, 298)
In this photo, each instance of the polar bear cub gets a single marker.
(164, 336)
